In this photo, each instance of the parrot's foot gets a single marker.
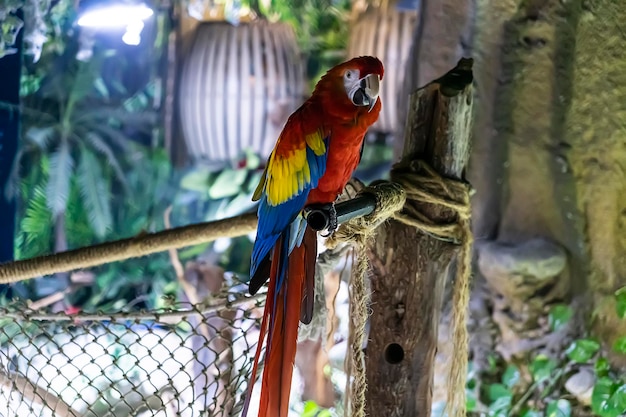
(322, 216)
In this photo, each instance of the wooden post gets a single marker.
(410, 268)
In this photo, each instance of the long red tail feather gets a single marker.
(280, 321)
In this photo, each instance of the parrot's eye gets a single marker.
(350, 75)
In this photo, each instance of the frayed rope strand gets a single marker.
(412, 184)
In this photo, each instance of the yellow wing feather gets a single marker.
(287, 172)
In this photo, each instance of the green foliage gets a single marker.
(500, 399)
(311, 409)
(95, 193)
(511, 376)
(321, 28)
(541, 368)
(582, 350)
(559, 315)
(620, 345)
(506, 393)
(559, 408)
(609, 397)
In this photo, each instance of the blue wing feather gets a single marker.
(274, 220)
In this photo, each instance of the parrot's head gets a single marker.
(354, 84)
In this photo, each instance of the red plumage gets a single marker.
(314, 158)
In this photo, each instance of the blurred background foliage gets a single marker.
(92, 165)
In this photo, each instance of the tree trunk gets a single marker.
(407, 298)
(443, 35)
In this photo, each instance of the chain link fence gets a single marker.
(184, 360)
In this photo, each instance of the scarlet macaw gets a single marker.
(314, 158)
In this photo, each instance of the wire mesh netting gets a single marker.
(190, 359)
(183, 360)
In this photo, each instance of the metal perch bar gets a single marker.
(361, 205)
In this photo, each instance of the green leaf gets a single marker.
(617, 402)
(238, 205)
(101, 146)
(582, 350)
(620, 345)
(532, 413)
(252, 160)
(196, 180)
(40, 136)
(602, 391)
(500, 407)
(602, 367)
(192, 251)
(101, 87)
(608, 398)
(511, 376)
(559, 408)
(620, 302)
(58, 187)
(310, 408)
(497, 391)
(559, 315)
(8, 330)
(36, 225)
(541, 367)
(471, 401)
(227, 183)
(95, 194)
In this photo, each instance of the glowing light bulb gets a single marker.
(115, 16)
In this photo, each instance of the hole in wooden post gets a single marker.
(394, 353)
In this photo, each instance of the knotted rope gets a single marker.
(412, 185)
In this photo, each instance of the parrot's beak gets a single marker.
(365, 92)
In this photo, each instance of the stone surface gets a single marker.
(581, 384)
(524, 278)
(519, 270)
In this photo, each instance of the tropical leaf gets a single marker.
(58, 187)
(36, 225)
(111, 134)
(11, 189)
(94, 192)
(136, 119)
(78, 228)
(102, 147)
(40, 137)
(83, 81)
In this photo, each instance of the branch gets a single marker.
(134, 247)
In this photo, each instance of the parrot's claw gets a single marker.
(332, 219)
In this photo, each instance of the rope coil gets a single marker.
(411, 186)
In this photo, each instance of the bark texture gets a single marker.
(410, 268)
